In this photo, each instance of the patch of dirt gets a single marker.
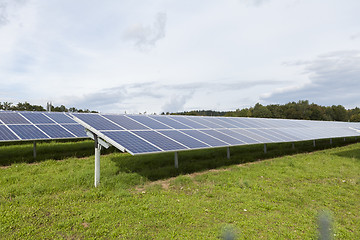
(85, 225)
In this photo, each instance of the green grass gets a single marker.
(277, 198)
(22, 152)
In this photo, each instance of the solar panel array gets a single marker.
(25, 126)
(141, 134)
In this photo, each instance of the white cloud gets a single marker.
(333, 78)
(226, 55)
(254, 2)
(177, 102)
(145, 37)
(9, 10)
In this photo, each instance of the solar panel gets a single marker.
(170, 122)
(25, 126)
(56, 131)
(28, 132)
(210, 140)
(188, 122)
(125, 122)
(6, 134)
(139, 134)
(184, 139)
(12, 118)
(75, 129)
(223, 137)
(37, 118)
(132, 143)
(151, 123)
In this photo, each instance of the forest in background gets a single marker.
(8, 106)
(292, 110)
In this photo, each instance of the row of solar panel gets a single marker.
(148, 141)
(150, 134)
(158, 122)
(16, 126)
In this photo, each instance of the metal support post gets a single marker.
(314, 143)
(265, 149)
(344, 139)
(97, 161)
(176, 160)
(228, 152)
(34, 150)
(293, 145)
(330, 141)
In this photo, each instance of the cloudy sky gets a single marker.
(165, 55)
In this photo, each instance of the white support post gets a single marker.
(265, 149)
(176, 160)
(34, 150)
(314, 143)
(293, 145)
(344, 139)
(97, 161)
(330, 141)
(228, 152)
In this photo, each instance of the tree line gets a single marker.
(8, 106)
(292, 110)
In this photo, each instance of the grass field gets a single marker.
(145, 197)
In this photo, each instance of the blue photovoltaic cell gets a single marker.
(208, 124)
(280, 134)
(265, 123)
(6, 134)
(60, 117)
(55, 131)
(250, 134)
(28, 132)
(96, 121)
(223, 122)
(313, 133)
(131, 142)
(149, 122)
(159, 140)
(188, 122)
(298, 132)
(223, 137)
(245, 122)
(261, 132)
(12, 118)
(237, 135)
(205, 138)
(170, 122)
(238, 124)
(76, 129)
(125, 122)
(36, 118)
(259, 123)
(292, 123)
(184, 139)
(232, 122)
(250, 123)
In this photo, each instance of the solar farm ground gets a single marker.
(145, 197)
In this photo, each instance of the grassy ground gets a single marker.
(146, 198)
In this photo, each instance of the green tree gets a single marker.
(261, 111)
(355, 118)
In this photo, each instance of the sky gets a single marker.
(137, 56)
